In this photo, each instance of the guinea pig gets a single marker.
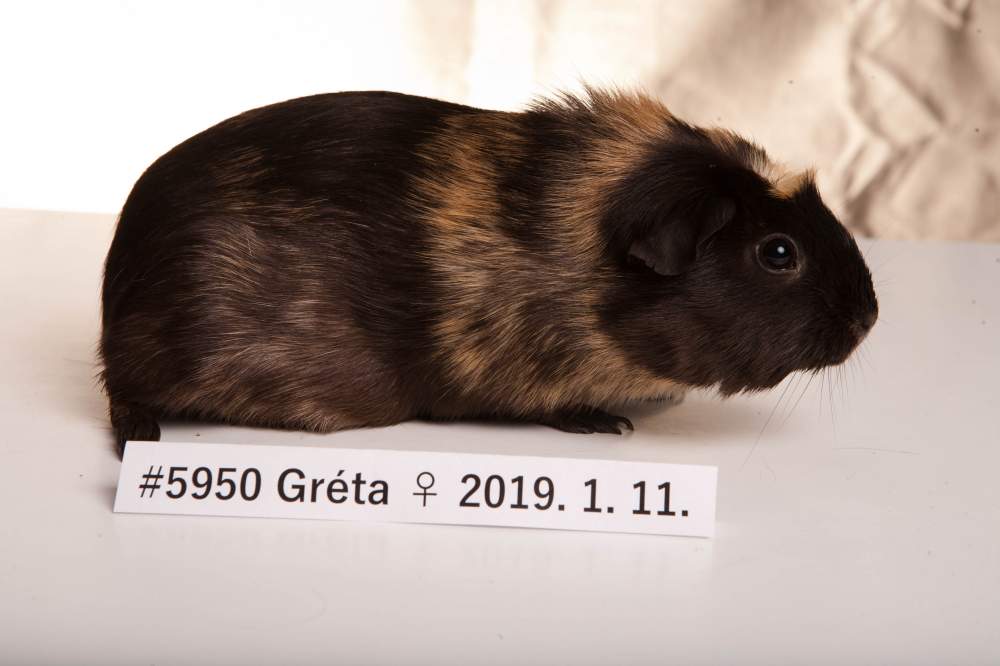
(363, 258)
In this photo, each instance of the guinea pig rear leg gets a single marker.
(585, 420)
(132, 422)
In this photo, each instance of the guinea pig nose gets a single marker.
(867, 320)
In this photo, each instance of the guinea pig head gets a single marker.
(732, 276)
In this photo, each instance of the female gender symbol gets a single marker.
(425, 481)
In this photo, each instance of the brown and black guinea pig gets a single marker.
(362, 258)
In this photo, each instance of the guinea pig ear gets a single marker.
(674, 244)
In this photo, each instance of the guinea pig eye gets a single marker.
(777, 254)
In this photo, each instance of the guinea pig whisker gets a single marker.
(863, 359)
(822, 382)
(796, 382)
(833, 411)
(845, 380)
(824, 391)
(769, 417)
(812, 376)
(791, 379)
(828, 385)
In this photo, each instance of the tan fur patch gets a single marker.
(751, 155)
(489, 280)
(784, 182)
(787, 184)
(629, 124)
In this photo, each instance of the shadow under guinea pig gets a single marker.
(701, 416)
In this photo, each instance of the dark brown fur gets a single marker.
(359, 259)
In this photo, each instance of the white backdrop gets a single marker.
(897, 103)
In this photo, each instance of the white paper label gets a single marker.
(417, 487)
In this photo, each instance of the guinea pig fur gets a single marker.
(362, 258)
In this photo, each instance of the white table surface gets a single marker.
(864, 527)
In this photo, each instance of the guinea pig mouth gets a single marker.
(861, 326)
(834, 348)
(841, 349)
(750, 385)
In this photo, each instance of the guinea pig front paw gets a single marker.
(586, 420)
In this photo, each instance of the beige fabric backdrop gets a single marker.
(896, 102)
